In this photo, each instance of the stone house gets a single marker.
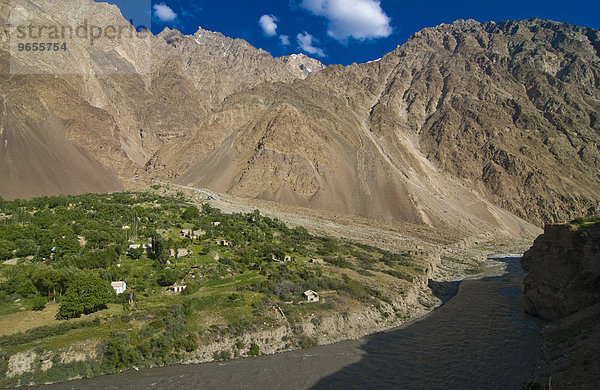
(181, 252)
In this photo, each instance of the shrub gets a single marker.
(399, 274)
(583, 220)
(161, 349)
(254, 350)
(167, 277)
(191, 213)
(190, 343)
(118, 353)
(223, 355)
(339, 262)
(38, 303)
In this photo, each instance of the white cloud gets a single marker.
(305, 41)
(285, 40)
(359, 19)
(268, 25)
(164, 13)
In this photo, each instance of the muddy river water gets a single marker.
(479, 339)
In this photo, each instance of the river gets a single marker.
(479, 339)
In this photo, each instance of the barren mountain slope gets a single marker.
(511, 108)
(460, 116)
(461, 126)
(42, 148)
(119, 100)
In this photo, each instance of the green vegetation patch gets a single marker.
(172, 275)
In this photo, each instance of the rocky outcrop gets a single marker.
(563, 285)
(564, 271)
(572, 351)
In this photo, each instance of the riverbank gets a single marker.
(479, 339)
(224, 344)
(315, 327)
(246, 275)
(244, 285)
(428, 292)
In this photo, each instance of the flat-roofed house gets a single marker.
(119, 287)
(311, 296)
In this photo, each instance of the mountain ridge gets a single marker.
(433, 121)
(151, 99)
(469, 125)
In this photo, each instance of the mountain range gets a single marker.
(470, 126)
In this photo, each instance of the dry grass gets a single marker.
(25, 320)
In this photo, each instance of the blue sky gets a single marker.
(341, 31)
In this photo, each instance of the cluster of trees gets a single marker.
(80, 240)
(75, 243)
(72, 247)
(85, 295)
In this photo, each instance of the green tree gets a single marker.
(135, 253)
(207, 210)
(160, 249)
(25, 247)
(26, 288)
(6, 249)
(167, 277)
(191, 213)
(101, 258)
(67, 244)
(86, 294)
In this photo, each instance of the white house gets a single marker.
(311, 296)
(119, 287)
(178, 288)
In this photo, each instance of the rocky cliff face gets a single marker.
(563, 285)
(563, 268)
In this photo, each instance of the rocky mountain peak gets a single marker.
(304, 63)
